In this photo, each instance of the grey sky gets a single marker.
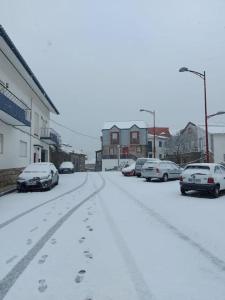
(102, 60)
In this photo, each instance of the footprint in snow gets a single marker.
(29, 241)
(42, 285)
(11, 259)
(88, 254)
(53, 241)
(81, 240)
(44, 220)
(85, 220)
(33, 229)
(80, 276)
(43, 259)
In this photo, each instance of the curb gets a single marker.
(7, 192)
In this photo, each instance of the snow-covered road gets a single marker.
(104, 236)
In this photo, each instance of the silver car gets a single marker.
(160, 169)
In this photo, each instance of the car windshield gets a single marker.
(66, 164)
(36, 168)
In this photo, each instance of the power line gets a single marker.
(75, 131)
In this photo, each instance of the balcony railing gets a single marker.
(13, 110)
(50, 136)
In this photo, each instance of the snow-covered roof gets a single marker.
(124, 124)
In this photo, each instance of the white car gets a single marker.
(201, 177)
(160, 169)
(42, 176)
(66, 167)
(129, 170)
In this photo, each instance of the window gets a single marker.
(111, 151)
(134, 137)
(160, 144)
(160, 156)
(23, 149)
(217, 170)
(1, 143)
(114, 138)
(36, 123)
(138, 149)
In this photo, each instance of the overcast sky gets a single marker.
(103, 60)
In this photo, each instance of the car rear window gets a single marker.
(197, 168)
(150, 164)
(141, 161)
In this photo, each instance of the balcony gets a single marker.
(50, 136)
(13, 111)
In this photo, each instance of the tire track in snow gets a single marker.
(216, 261)
(9, 280)
(141, 287)
(13, 219)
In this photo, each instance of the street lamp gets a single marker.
(152, 113)
(203, 76)
(216, 114)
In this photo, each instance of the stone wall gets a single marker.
(9, 176)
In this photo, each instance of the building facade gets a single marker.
(161, 136)
(123, 142)
(188, 145)
(25, 108)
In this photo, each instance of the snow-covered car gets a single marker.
(160, 169)
(41, 176)
(129, 170)
(66, 167)
(201, 177)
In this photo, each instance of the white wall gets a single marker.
(219, 147)
(11, 135)
(159, 150)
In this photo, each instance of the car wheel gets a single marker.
(57, 181)
(183, 191)
(138, 175)
(148, 179)
(165, 178)
(216, 192)
(49, 186)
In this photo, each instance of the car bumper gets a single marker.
(197, 187)
(25, 185)
(150, 174)
(65, 171)
(131, 173)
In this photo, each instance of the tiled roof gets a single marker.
(160, 131)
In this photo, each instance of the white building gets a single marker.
(161, 136)
(25, 110)
(218, 143)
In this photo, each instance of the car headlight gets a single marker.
(46, 177)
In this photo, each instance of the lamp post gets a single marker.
(216, 114)
(152, 113)
(203, 76)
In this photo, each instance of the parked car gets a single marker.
(129, 170)
(160, 169)
(41, 176)
(139, 163)
(66, 167)
(201, 177)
